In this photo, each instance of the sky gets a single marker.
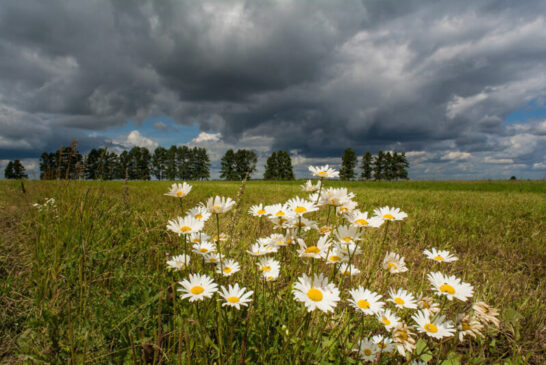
(459, 86)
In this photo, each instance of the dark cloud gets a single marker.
(312, 76)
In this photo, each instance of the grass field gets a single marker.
(87, 282)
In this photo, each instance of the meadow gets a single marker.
(86, 281)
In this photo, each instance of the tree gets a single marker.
(279, 166)
(366, 166)
(271, 167)
(400, 165)
(15, 170)
(184, 162)
(200, 164)
(379, 165)
(47, 166)
(245, 162)
(348, 163)
(227, 163)
(159, 163)
(389, 167)
(170, 164)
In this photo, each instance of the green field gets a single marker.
(87, 282)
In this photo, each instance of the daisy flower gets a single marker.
(347, 234)
(235, 296)
(403, 338)
(450, 286)
(348, 270)
(389, 319)
(351, 249)
(324, 171)
(317, 251)
(267, 264)
(259, 249)
(402, 299)
(336, 256)
(179, 262)
(199, 237)
(229, 267)
(428, 303)
(204, 248)
(304, 223)
(375, 222)
(276, 210)
(325, 230)
(335, 197)
(383, 344)
(219, 204)
(366, 301)
(316, 293)
(394, 263)
(346, 206)
(186, 225)
(309, 187)
(440, 256)
(435, 328)
(179, 190)
(198, 287)
(200, 213)
(213, 258)
(299, 206)
(485, 313)
(468, 326)
(257, 210)
(357, 218)
(271, 275)
(277, 239)
(390, 214)
(366, 349)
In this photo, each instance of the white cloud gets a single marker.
(135, 139)
(456, 156)
(489, 159)
(205, 137)
(539, 166)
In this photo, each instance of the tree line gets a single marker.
(383, 166)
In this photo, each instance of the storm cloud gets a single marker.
(436, 79)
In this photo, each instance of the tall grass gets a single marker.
(86, 282)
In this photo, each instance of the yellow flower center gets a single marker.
(381, 345)
(367, 352)
(335, 258)
(212, 259)
(280, 213)
(392, 266)
(227, 270)
(386, 321)
(388, 216)
(439, 258)
(233, 299)
(185, 229)
(347, 239)
(216, 207)
(347, 272)
(197, 290)
(363, 303)
(203, 250)
(446, 288)
(425, 305)
(322, 173)
(362, 222)
(399, 301)
(179, 193)
(314, 294)
(312, 249)
(261, 211)
(198, 216)
(266, 268)
(465, 326)
(300, 209)
(270, 278)
(402, 335)
(430, 327)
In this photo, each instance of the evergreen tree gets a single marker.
(388, 167)
(200, 164)
(271, 167)
(69, 161)
(9, 172)
(401, 165)
(47, 166)
(159, 163)
(92, 162)
(366, 166)
(109, 166)
(245, 162)
(378, 165)
(348, 163)
(123, 165)
(184, 163)
(227, 169)
(171, 169)
(19, 170)
(284, 163)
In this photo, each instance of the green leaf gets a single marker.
(423, 350)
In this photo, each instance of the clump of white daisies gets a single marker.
(318, 267)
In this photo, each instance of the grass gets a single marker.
(87, 282)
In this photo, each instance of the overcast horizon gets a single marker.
(459, 86)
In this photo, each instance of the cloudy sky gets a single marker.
(460, 86)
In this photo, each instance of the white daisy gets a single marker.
(324, 171)
(204, 248)
(316, 293)
(402, 299)
(390, 214)
(389, 319)
(277, 239)
(186, 225)
(199, 237)
(179, 190)
(384, 344)
(404, 339)
(427, 303)
(486, 314)
(375, 222)
(229, 267)
(357, 218)
(440, 256)
(335, 197)
(366, 301)
(299, 206)
(351, 249)
(219, 204)
(346, 206)
(276, 210)
(366, 349)
(213, 258)
(235, 296)
(347, 234)
(309, 187)
(257, 210)
(267, 264)
(200, 213)
(437, 328)
(316, 251)
(394, 263)
(303, 223)
(260, 249)
(336, 256)
(468, 326)
(450, 286)
(198, 287)
(179, 262)
(348, 270)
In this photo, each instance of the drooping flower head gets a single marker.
(394, 263)
(486, 314)
(308, 187)
(468, 326)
